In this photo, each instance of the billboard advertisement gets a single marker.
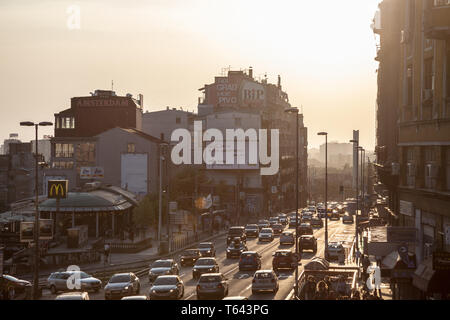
(57, 189)
(224, 92)
(45, 229)
(253, 94)
(26, 231)
(92, 173)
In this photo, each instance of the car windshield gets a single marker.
(282, 254)
(163, 281)
(251, 227)
(266, 230)
(120, 278)
(287, 234)
(8, 277)
(204, 246)
(264, 275)
(247, 255)
(205, 262)
(210, 279)
(263, 221)
(277, 225)
(190, 253)
(161, 264)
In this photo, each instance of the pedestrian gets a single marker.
(358, 257)
(107, 252)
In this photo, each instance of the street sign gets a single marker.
(441, 260)
(57, 189)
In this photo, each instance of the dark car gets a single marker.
(162, 267)
(347, 219)
(12, 286)
(273, 220)
(250, 260)
(307, 242)
(284, 259)
(235, 249)
(189, 257)
(207, 249)
(204, 265)
(167, 287)
(292, 221)
(121, 285)
(236, 231)
(263, 224)
(252, 230)
(305, 228)
(277, 228)
(212, 285)
(316, 223)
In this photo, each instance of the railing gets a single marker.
(184, 241)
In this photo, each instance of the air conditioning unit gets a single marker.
(411, 170)
(428, 94)
(404, 36)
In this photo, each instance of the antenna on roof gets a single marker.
(112, 85)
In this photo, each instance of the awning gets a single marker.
(428, 280)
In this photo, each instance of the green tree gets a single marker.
(146, 213)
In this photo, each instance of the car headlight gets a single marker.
(195, 270)
(171, 290)
(228, 250)
(167, 272)
(126, 288)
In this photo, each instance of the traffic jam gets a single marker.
(256, 261)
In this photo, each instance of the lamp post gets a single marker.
(357, 204)
(295, 111)
(36, 218)
(362, 151)
(162, 147)
(326, 187)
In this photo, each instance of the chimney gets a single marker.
(250, 72)
(279, 81)
(141, 100)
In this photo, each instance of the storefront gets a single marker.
(433, 279)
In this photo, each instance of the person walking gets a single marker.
(107, 252)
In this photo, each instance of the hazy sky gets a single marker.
(167, 49)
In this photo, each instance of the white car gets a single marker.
(265, 280)
(266, 234)
(73, 296)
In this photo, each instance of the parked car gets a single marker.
(235, 249)
(135, 298)
(334, 250)
(284, 259)
(265, 280)
(189, 257)
(122, 284)
(316, 223)
(212, 284)
(266, 234)
(163, 267)
(277, 228)
(305, 228)
(347, 219)
(236, 231)
(287, 237)
(204, 265)
(307, 242)
(12, 286)
(207, 249)
(73, 296)
(167, 287)
(263, 224)
(252, 230)
(57, 281)
(250, 260)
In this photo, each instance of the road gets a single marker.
(240, 281)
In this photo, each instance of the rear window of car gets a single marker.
(247, 255)
(190, 253)
(210, 278)
(162, 264)
(282, 254)
(264, 275)
(266, 230)
(251, 227)
(162, 281)
(120, 278)
(287, 234)
(205, 262)
(205, 245)
(277, 225)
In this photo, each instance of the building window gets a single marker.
(63, 150)
(162, 136)
(131, 148)
(428, 74)
(447, 168)
(85, 152)
(65, 122)
(447, 72)
(409, 73)
(62, 164)
(178, 120)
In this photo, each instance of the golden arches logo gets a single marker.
(56, 189)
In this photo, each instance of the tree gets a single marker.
(146, 213)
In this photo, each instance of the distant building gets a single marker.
(13, 138)
(339, 154)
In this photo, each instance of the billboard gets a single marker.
(45, 229)
(253, 94)
(57, 189)
(26, 231)
(134, 173)
(92, 173)
(224, 92)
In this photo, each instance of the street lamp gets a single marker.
(363, 152)
(357, 204)
(36, 218)
(295, 111)
(162, 158)
(326, 186)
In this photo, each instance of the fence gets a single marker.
(183, 241)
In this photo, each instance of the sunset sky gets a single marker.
(167, 49)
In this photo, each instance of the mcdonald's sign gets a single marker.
(57, 189)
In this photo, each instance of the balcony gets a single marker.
(436, 22)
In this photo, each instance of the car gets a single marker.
(277, 228)
(305, 228)
(163, 267)
(12, 286)
(266, 234)
(121, 285)
(57, 281)
(189, 256)
(236, 231)
(250, 260)
(273, 220)
(321, 212)
(334, 250)
(284, 220)
(167, 287)
(73, 296)
(265, 280)
(312, 209)
(212, 284)
(135, 298)
(235, 298)
(292, 221)
(207, 249)
(263, 224)
(307, 242)
(252, 230)
(306, 218)
(287, 237)
(235, 249)
(204, 265)
(347, 219)
(284, 259)
(335, 215)
(316, 222)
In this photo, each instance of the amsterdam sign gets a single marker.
(57, 189)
